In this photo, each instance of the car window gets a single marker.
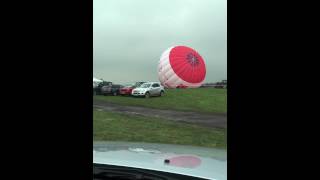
(145, 85)
(155, 85)
(139, 83)
(128, 85)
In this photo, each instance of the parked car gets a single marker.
(148, 89)
(127, 89)
(113, 89)
(137, 84)
(154, 161)
(220, 85)
(97, 88)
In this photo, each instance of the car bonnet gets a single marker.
(208, 163)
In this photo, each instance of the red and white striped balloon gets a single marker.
(181, 67)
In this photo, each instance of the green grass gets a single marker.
(110, 126)
(208, 100)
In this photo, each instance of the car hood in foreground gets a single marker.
(208, 163)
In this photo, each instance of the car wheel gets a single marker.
(147, 95)
(114, 93)
(161, 93)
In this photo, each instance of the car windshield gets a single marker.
(144, 85)
(138, 84)
(128, 85)
(181, 47)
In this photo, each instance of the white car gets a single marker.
(148, 89)
(152, 161)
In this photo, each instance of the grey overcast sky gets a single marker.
(129, 36)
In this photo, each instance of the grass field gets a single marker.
(120, 127)
(209, 100)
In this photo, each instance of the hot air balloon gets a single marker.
(181, 67)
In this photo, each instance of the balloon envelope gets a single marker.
(181, 67)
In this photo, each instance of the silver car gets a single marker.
(149, 89)
(157, 161)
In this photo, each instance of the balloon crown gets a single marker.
(192, 59)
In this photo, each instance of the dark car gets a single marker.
(97, 89)
(113, 89)
(221, 85)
